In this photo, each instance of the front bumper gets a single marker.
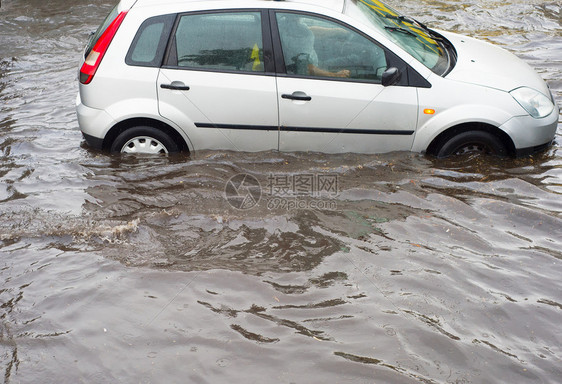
(530, 134)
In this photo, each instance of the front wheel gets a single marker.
(145, 140)
(472, 142)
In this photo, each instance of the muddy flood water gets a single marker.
(394, 268)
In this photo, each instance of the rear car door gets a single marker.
(217, 82)
(329, 90)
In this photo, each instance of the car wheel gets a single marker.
(146, 140)
(472, 142)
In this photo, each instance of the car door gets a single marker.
(330, 94)
(217, 82)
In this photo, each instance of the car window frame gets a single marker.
(410, 77)
(170, 57)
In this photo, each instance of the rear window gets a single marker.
(101, 29)
(149, 44)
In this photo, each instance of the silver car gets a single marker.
(306, 75)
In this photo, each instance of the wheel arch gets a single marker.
(450, 132)
(122, 126)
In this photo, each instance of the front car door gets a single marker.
(329, 89)
(217, 82)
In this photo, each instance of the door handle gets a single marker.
(176, 86)
(301, 96)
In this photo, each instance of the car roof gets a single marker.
(336, 5)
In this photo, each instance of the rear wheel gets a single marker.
(146, 140)
(472, 142)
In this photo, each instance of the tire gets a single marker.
(145, 140)
(472, 142)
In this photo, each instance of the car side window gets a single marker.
(149, 44)
(315, 46)
(224, 41)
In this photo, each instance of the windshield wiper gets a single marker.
(405, 19)
(401, 30)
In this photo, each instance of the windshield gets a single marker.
(407, 33)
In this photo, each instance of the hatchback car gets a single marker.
(304, 75)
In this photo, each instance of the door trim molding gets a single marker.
(305, 129)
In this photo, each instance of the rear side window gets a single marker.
(224, 41)
(149, 44)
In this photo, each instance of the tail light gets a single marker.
(95, 56)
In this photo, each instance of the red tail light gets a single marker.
(93, 60)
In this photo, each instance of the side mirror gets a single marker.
(391, 76)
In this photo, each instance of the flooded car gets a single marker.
(328, 76)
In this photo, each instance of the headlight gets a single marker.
(534, 102)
